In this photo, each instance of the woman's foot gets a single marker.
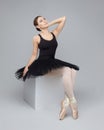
(62, 114)
(64, 105)
(74, 108)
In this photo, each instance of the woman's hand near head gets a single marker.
(60, 22)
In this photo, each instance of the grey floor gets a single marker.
(16, 114)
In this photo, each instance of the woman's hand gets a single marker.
(25, 71)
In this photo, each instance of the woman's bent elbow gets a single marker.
(64, 18)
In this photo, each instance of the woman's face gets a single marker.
(42, 22)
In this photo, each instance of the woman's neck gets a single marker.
(45, 32)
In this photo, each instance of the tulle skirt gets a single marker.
(43, 66)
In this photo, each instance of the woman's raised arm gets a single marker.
(60, 22)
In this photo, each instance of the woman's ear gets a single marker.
(37, 27)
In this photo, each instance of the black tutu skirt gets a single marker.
(42, 66)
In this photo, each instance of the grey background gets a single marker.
(81, 42)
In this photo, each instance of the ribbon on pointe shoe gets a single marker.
(72, 100)
(66, 101)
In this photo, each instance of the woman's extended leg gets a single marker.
(69, 81)
(73, 73)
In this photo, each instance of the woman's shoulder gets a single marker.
(54, 33)
(36, 38)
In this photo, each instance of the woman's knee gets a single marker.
(67, 71)
(74, 73)
(73, 70)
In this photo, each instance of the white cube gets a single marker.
(44, 92)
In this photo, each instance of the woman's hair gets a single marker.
(35, 22)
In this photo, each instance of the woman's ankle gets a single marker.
(73, 100)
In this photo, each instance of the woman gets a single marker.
(47, 63)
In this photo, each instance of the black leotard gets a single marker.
(46, 60)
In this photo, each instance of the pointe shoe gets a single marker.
(73, 106)
(64, 105)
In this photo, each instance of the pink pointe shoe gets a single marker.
(74, 108)
(65, 104)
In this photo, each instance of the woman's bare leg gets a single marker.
(68, 79)
(73, 73)
(68, 82)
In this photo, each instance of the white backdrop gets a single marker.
(81, 42)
